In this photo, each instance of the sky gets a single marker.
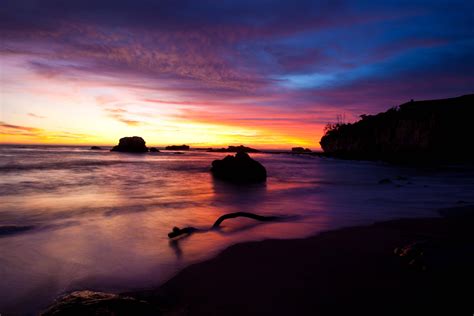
(270, 74)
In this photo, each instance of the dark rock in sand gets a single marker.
(239, 168)
(235, 149)
(300, 150)
(154, 150)
(96, 148)
(98, 303)
(177, 147)
(133, 144)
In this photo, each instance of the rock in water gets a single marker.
(154, 150)
(95, 148)
(133, 144)
(239, 168)
(300, 150)
(235, 149)
(177, 147)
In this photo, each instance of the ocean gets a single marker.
(73, 218)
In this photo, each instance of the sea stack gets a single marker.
(133, 144)
(239, 169)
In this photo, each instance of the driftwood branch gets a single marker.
(243, 214)
(176, 232)
(181, 231)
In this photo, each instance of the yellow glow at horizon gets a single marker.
(78, 111)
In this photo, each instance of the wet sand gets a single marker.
(351, 271)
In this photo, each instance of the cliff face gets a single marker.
(428, 130)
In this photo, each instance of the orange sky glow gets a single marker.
(213, 74)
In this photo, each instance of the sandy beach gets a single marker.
(356, 270)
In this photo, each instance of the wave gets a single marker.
(64, 165)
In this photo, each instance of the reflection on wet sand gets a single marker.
(100, 220)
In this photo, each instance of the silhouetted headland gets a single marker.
(239, 169)
(133, 144)
(416, 131)
(235, 149)
(177, 147)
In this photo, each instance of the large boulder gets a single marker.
(239, 168)
(133, 144)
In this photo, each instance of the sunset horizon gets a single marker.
(76, 74)
(236, 157)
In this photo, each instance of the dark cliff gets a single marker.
(433, 130)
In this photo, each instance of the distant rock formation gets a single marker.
(235, 149)
(95, 148)
(154, 150)
(177, 147)
(300, 150)
(133, 144)
(239, 169)
(421, 131)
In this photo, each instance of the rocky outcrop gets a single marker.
(434, 130)
(99, 303)
(133, 144)
(239, 169)
(235, 149)
(154, 150)
(95, 148)
(177, 147)
(300, 150)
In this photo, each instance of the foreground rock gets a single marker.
(434, 130)
(239, 168)
(235, 149)
(133, 144)
(98, 303)
(177, 147)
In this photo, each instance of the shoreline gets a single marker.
(352, 270)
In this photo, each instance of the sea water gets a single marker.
(73, 218)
